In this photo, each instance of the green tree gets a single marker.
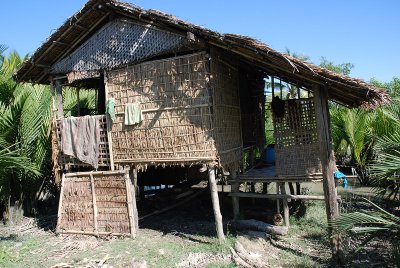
(343, 68)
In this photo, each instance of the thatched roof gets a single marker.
(343, 89)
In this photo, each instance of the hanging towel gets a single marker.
(80, 138)
(110, 108)
(339, 175)
(133, 114)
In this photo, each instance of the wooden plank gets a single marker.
(275, 179)
(91, 233)
(328, 164)
(94, 173)
(215, 202)
(96, 229)
(60, 205)
(281, 196)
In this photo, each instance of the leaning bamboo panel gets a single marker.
(296, 140)
(95, 203)
(68, 162)
(177, 118)
(226, 110)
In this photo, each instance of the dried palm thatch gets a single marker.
(348, 91)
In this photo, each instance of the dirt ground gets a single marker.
(184, 237)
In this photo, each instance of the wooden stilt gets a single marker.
(215, 202)
(285, 204)
(96, 229)
(60, 201)
(278, 208)
(130, 205)
(134, 206)
(328, 164)
(235, 199)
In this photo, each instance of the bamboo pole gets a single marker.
(328, 165)
(282, 196)
(215, 202)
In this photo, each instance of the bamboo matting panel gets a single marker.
(77, 210)
(226, 109)
(118, 43)
(296, 139)
(177, 118)
(68, 162)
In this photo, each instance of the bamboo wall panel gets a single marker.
(68, 162)
(177, 118)
(226, 108)
(78, 211)
(296, 139)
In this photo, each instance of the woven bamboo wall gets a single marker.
(68, 162)
(104, 211)
(296, 139)
(226, 109)
(119, 42)
(177, 121)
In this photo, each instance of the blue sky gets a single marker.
(363, 32)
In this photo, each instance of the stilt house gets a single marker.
(172, 94)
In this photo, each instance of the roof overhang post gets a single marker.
(60, 109)
(328, 163)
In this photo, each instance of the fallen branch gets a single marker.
(180, 203)
(259, 226)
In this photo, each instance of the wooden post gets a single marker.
(130, 203)
(328, 164)
(96, 229)
(60, 201)
(215, 202)
(235, 199)
(109, 124)
(285, 204)
(60, 109)
(278, 207)
(134, 190)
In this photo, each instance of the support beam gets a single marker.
(235, 199)
(328, 163)
(60, 109)
(215, 202)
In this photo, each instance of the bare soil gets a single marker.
(184, 237)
